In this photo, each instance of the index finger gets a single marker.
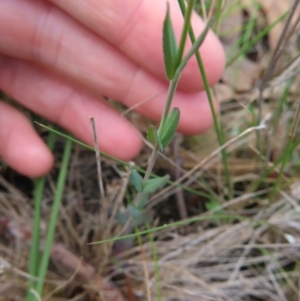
(135, 28)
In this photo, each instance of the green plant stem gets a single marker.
(210, 217)
(286, 156)
(151, 162)
(68, 137)
(156, 264)
(196, 44)
(171, 91)
(218, 128)
(249, 27)
(53, 218)
(39, 186)
(185, 31)
(150, 166)
(288, 150)
(170, 95)
(174, 82)
(218, 15)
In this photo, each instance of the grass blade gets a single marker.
(218, 128)
(35, 243)
(53, 218)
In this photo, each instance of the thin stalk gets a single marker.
(288, 150)
(39, 185)
(276, 117)
(185, 31)
(218, 128)
(68, 137)
(279, 49)
(187, 221)
(151, 162)
(53, 218)
(171, 92)
(98, 158)
(144, 260)
(295, 124)
(286, 156)
(280, 105)
(150, 166)
(204, 11)
(218, 15)
(249, 29)
(156, 264)
(196, 44)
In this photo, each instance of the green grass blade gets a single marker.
(185, 31)
(218, 128)
(156, 265)
(211, 217)
(35, 243)
(288, 152)
(53, 218)
(249, 29)
(218, 15)
(68, 137)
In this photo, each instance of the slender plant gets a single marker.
(160, 138)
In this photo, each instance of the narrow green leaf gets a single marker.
(136, 180)
(169, 46)
(152, 185)
(170, 127)
(61, 182)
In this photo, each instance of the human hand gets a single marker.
(57, 58)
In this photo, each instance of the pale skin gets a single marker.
(58, 57)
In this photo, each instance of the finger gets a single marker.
(135, 27)
(49, 36)
(81, 55)
(53, 98)
(20, 147)
(70, 107)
